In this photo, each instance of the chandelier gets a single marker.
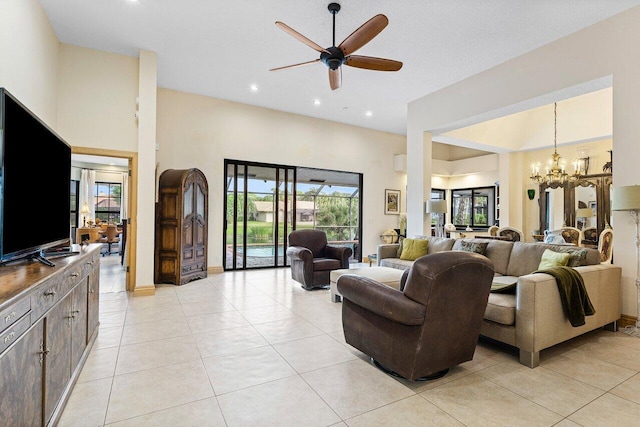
(555, 171)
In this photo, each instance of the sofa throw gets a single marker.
(573, 294)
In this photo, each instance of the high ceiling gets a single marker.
(220, 49)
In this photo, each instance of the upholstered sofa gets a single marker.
(531, 317)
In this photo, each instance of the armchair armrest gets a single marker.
(388, 250)
(381, 299)
(341, 253)
(299, 253)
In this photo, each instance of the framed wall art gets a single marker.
(392, 202)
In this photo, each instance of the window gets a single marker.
(107, 201)
(473, 207)
(439, 219)
(73, 203)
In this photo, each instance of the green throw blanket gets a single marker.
(573, 294)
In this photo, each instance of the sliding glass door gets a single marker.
(257, 216)
(265, 202)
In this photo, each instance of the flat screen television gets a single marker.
(35, 183)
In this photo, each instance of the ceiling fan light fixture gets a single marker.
(335, 56)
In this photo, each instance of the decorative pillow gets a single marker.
(553, 259)
(577, 257)
(399, 253)
(554, 238)
(477, 247)
(413, 249)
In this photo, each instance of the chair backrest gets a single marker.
(314, 240)
(590, 233)
(513, 234)
(493, 230)
(605, 246)
(111, 234)
(452, 285)
(570, 235)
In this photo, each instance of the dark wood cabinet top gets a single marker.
(19, 278)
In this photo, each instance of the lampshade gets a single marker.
(436, 206)
(585, 213)
(85, 209)
(626, 198)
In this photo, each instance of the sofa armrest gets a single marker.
(341, 253)
(299, 253)
(381, 299)
(387, 250)
(540, 318)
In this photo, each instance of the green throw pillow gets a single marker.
(553, 259)
(399, 253)
(477, 247)
(413, 249)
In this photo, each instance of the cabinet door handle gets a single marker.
(10, 317)
(49, 293)
(74, 274)
(42, 353)
(9, 337)
(91, 291)
(89, 262)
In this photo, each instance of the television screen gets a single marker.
(34, 182)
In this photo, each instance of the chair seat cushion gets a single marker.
(323, 264)
(501, 308)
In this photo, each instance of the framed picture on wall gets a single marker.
(392, 202)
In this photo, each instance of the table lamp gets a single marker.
(628, 199)
(584, 213)
(84, 211)
(437, 207)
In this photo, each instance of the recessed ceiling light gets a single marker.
(316, 102)
(368, 114)
(253, 87)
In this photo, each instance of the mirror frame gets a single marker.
(602, 183)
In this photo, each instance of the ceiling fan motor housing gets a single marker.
(334, 59)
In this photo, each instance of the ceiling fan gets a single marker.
(333, 57)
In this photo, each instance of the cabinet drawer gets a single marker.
(13, 333)
(72, 276)
(46, 297)
(11, 314)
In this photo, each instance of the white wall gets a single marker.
(29, 52)
(198, 131)
(97, 94)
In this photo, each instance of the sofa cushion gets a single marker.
(553, 259)
(396, 263)
(439, 244)
(413, 249)
(504, 284)
(498, 251)
(501, 308)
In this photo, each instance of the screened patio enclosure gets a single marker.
(265, 202)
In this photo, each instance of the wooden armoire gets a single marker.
(181, 227)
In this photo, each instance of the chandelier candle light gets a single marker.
(555, 173)
(628, 199)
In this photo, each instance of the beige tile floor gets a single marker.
(254, 349)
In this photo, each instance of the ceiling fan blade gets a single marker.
(364, 34)
(296, 65)
(335, 78)
(372, 63)
(303, 39)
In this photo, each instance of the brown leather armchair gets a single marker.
(429, 326)
(312, 259)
